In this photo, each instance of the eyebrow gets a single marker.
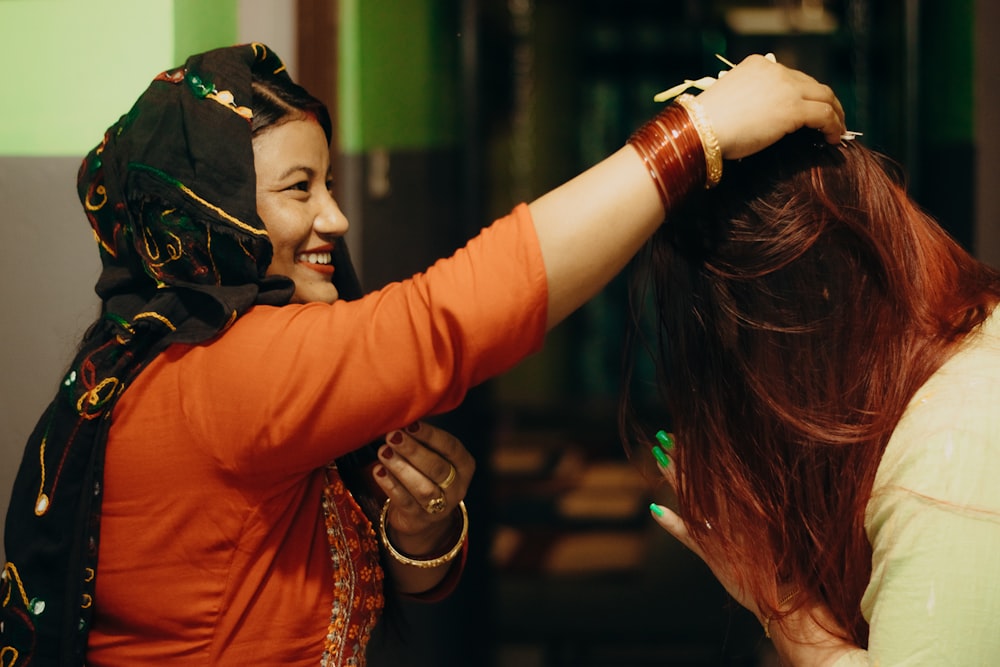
(291, 170)
(310, 172)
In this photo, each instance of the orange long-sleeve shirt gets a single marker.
(213, 544)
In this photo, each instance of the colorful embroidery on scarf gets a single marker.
(205, 89)
(178, 266)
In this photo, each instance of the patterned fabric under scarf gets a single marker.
(171, 195)
(357, 576)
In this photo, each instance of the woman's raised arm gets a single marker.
(590, 227)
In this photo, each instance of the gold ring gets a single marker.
(436, 506)
(449, 479)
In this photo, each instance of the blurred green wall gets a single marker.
(398, 74)
(72, 67)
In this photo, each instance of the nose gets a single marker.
(329, 219)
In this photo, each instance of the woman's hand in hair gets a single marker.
(670, 521)
(759, 101)
(807, 635)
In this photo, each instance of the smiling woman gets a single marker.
(297, 208)
(240, 416)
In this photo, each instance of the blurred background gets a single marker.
(449, 113)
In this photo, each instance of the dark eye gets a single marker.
(301, 186)
(330, 184)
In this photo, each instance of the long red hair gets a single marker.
(797, 309)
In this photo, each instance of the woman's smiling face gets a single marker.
(294, 202)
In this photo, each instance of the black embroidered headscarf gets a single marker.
(171, 195)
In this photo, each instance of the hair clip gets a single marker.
(703, 83)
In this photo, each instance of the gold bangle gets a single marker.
(709, 142)
(430, 562)
(767, 619)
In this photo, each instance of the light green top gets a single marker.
(934, 521)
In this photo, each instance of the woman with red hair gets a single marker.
(830, 361)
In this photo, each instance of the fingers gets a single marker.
(663, 515)
(662, 456)
(424, 470)
(823, 117)
(813, 90)
(759, 101)
(821, 110)
(412, 510)
(435, 451)
(424, 456)
(673, 524)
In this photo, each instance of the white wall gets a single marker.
(46, 294)
(273, 23)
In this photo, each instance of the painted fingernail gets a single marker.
(395, 438)
(661, 458)
(387, 452)
(414, 427)
(666, 439)
(381, 471)
(655, 509)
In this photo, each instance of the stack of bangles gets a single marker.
(679, 149)
(425, 563)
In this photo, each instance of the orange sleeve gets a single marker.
(289, 389)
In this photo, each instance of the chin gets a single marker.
(315, 294)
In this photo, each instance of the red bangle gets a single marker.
(671, 149)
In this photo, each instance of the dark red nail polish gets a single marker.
(380, 472)
(414, 427)
(387, 452)
(395, 438)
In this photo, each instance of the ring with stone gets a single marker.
(436, 505)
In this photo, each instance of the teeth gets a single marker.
(315, 257)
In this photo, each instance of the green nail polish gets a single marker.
(655, 509)
(666, 439)
(661, 458)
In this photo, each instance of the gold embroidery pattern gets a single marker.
(156, 316)
(357, 577)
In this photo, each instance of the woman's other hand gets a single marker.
(673, 524)
(759, 101)
(808, 635)
(424, 472)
